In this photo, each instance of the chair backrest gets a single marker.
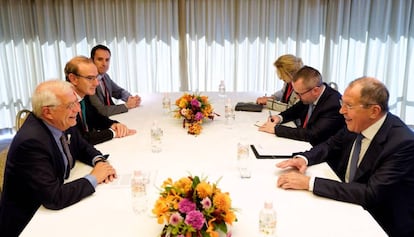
(333, 85)
(3, 157)
(21, 117)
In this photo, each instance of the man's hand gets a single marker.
(133, 102)
(297, 162)
(121, 130)
(270, 125)
(104, 172)
(293, 180)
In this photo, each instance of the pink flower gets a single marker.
(185, 205)
(195, 219)
(198, 116)
(175, 219)
(206, 203)
(195, 103)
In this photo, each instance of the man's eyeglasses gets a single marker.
(350, 106)
(68, 106)
(89, 78)
(303, 93)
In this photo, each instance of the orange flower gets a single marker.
(222, 201)
(204, 189)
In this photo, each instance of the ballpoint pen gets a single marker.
(270, 116)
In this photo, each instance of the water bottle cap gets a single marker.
(268, 204)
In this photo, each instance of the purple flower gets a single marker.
(175, 219)
(195, 219)
(206, 203)
(198, 116)
(185, 206)
(195, 103)
(180, 235)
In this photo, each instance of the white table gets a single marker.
(213, 153)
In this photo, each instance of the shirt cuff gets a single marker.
(98, 157)
(311, 183)
(113, 132)
(92, 180)
(303, 157)
(280, 117)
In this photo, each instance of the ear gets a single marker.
(47, 113)
(376, 111)
(73, 79)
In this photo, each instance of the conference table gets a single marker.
(213, 155)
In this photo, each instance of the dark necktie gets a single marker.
(355, 157)
(310, 110)
(107, 96)
(83, 115)
(66, 150)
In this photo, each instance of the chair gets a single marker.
(21, 117)
(333, 85)
(3, 157)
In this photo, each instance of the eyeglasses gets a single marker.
(68, 106)
(89, 78)
(350, 106)
(303, 93)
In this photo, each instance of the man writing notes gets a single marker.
(102, 99)
(373, 156)
(95, 127)
(315, 115)
(40, 158)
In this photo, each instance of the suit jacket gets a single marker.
(384, 181)
(34, 175)
(98, 125)
(99, 99)
(324, 122)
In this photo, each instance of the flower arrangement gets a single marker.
(191, 207)
(193, 109)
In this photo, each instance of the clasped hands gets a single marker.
(293, 179)
(104, 172)
(133, 102)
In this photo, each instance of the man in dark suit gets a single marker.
(38, 162)
(373, 157)
(316, 114)
(102, 99)
(94, 127)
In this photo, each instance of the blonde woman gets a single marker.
(286, 67)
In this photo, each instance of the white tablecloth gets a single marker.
(211, 154)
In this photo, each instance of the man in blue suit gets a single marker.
(373, 157)
(316, 114)
(39, 161)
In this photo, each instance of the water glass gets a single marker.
(243, 160)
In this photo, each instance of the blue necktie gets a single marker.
(355, 157)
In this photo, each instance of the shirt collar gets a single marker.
(323, 90)
(55, 132)
(372, 130)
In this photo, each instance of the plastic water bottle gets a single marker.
(138, 193)
(267, 220)
(222, 89)
(166, 103)
(156, 138)
(229, 112)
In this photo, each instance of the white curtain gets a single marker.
(232, 40)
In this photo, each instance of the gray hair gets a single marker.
(49, 93)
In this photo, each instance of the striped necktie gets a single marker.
(66, 150)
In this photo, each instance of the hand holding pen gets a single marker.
(270, 117)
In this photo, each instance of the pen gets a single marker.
(270, 116)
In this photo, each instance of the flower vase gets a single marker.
(194, 127)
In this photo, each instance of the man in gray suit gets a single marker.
(102, 100)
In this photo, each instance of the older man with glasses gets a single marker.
(41, 156)
(95, 127)
(373, 158)
(316, 115)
